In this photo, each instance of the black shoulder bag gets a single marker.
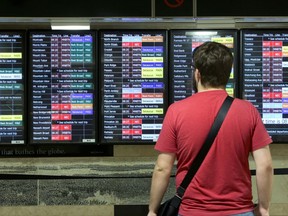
(171, 206)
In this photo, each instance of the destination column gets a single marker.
(41, 84)
(182, 72)
(113, 78)
(253, 66)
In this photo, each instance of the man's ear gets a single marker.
(197, 74)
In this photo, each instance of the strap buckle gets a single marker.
(180, 192)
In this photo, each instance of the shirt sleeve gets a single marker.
(167, 137)
(260, 137)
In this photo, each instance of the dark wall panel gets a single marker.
(67, 8)
(242, 8)
(173, 8)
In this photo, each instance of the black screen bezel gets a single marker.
(24, 81)
(101, 79)
(220, 32)
(30, 89)
(280, 139)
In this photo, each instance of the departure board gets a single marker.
(63, 87)
(12, 87)
(182, 44)
(134, 85)
(265, 77)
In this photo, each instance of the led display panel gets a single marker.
(12, 87)
(63, 91)
(133, 85)
(182, 44)
(265, 77)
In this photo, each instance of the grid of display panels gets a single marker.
(182, 44)
(265, 77)
(133, 85)
(71, 99)
(63, 90)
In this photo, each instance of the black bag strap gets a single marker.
(206, 146)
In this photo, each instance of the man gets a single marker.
(222, 185)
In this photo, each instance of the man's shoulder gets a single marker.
(243, 102)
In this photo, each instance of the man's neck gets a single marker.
(203, 89)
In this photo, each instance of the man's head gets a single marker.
(214, 62)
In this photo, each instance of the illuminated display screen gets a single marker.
(63, 91)
(182, 44)
(265, 77)
(134, 85)
(12, 88)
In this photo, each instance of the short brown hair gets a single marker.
(214, 62)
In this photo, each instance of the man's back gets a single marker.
(222, 186)
(223, 183)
